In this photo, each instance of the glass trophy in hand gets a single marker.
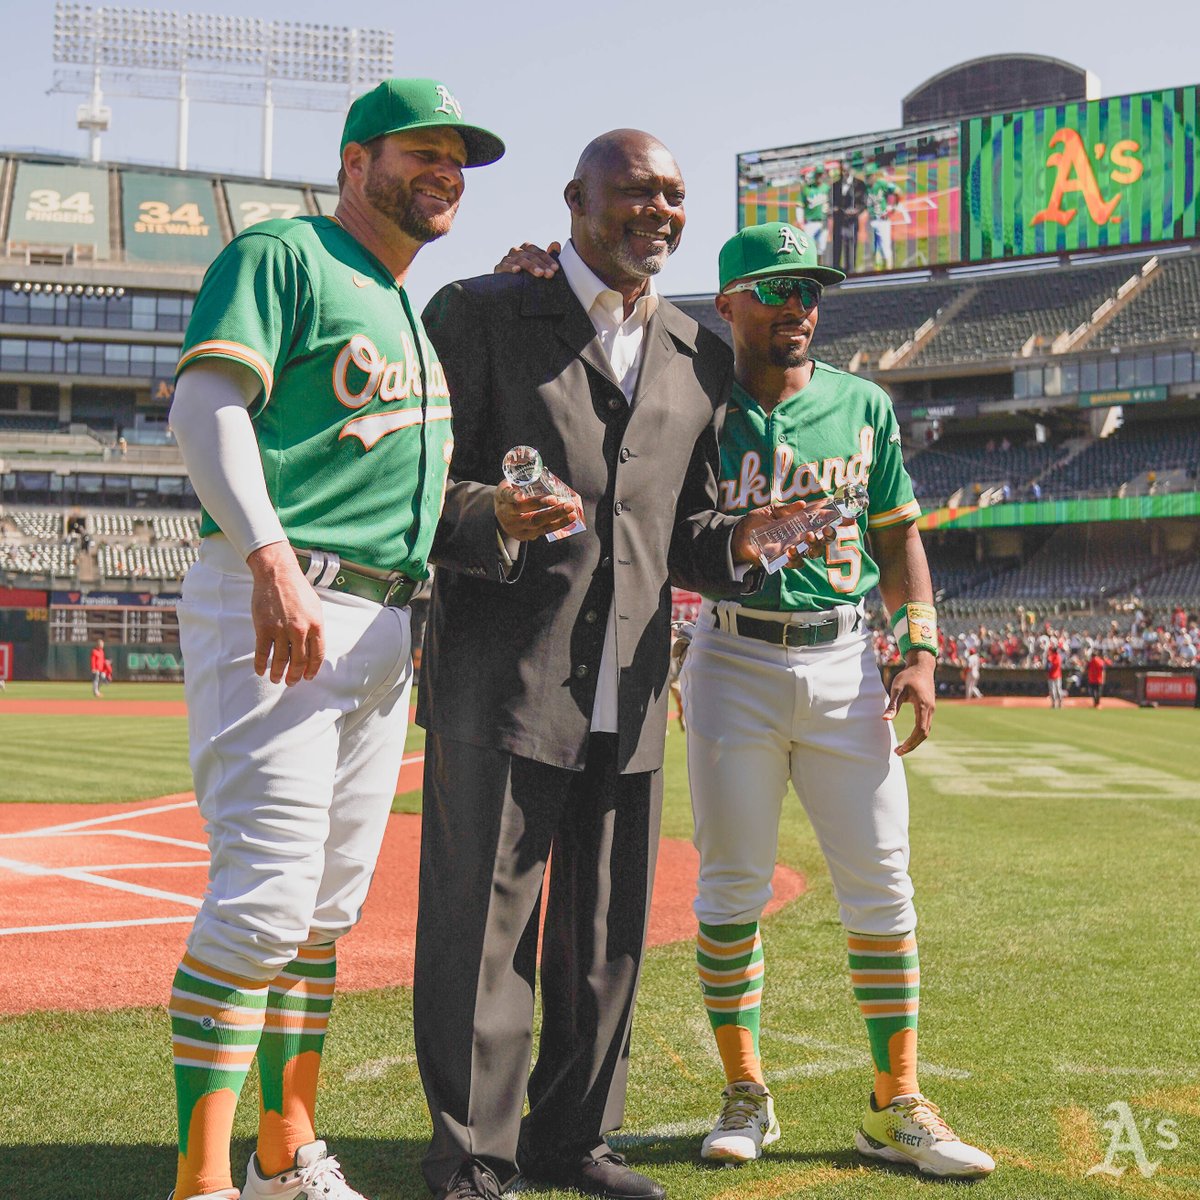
(523, 468)
(773, 543)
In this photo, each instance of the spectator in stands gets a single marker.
(1097, 670)
(100, 674)
(1054, 676)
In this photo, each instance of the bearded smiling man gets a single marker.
(544, 678)
(313, 417)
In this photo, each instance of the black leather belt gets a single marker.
(788, 633)
(389, 588)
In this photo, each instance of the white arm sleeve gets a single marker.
(212, 426)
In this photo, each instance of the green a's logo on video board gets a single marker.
(1075, 173)
(1081, 176)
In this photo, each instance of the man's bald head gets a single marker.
(626, 203)
(615, 147)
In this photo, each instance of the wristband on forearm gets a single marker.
(915, 627)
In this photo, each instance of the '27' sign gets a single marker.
(1074, 173)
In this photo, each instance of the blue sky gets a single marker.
(708, 78)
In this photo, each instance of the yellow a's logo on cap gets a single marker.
(791, 241)
(449, 105)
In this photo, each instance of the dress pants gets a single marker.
(490, 823)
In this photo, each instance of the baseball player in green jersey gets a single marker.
(783, 685)
(315, 421)
(882, 198)
(812, 213)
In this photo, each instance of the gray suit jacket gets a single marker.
(511, 656)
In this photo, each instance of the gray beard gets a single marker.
(649, 264)
(791, 357)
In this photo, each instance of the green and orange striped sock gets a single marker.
(887, 985)
(729, 961)
(216, 1022)
(289, 1055)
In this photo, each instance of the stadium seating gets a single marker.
(106, 524)
(1102, 467)
(875, 319)
(851, 319)
(177, 529)
(1009, 309)
(1179, 582)
(10, 423)
(136, 562)
(42, 558)
(36, 523)
(953, 463)
(1167, 310)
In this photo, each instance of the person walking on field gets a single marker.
(98, 667)
(1054, 676)
(1097, 671)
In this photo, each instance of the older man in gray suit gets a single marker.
(544, 680)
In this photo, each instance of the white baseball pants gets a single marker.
(295, 784)
(758, 715)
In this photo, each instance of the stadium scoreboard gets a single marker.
(1118, 172)
(123, 618)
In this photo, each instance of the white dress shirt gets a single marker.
(623, 341)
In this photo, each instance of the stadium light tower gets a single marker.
(160, 55)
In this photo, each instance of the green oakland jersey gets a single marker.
(815, 201)
(839, 429)
(880, 196)
(353, 420)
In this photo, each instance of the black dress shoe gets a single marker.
(472, 1181)
(603, 1172)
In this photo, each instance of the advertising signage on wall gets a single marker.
(1092, 175)
(1085, 176)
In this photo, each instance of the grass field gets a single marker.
(1055, 858)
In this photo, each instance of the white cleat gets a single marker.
(747, 1123)
(316, 1175)
(910, 1131)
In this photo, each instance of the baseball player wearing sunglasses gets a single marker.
(782, 685)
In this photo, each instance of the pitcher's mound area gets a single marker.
(96, 900)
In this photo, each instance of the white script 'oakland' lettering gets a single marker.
(794, 481)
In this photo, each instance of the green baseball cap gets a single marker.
(398, 104)
(774, 248)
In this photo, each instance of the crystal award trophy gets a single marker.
(523, 468)
(772, 543)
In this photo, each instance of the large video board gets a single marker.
(877, 203)
(1086, 176)
(1117, 172)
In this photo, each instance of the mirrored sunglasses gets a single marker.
(777, 292)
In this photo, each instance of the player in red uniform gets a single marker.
(1054, 676)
